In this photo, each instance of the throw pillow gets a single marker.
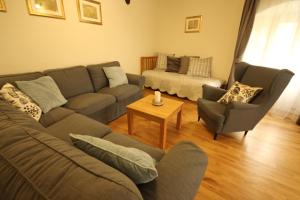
(173, 64)
(116, 76)
(200, 67)
(21, 101)
(240, 93)
(136, 164)
(44, 92)
(184, 65)
(162, 60)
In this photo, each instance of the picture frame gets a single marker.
(2, 6)
(46, 8)
(89, 11)
(193, 24)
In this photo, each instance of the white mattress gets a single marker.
(180, 84)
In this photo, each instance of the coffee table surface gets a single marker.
(144, 105)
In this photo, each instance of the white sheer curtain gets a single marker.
(275, 42)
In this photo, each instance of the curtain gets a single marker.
(246, 25)
(275, 42)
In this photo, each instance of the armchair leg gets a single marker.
(199, 118)
(215, 136)
(246, 132)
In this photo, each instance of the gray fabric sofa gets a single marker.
(233, 117)
(38, 160)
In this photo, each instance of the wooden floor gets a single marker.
(263, 165)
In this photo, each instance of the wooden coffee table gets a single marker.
(159, 114)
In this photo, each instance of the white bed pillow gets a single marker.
(162, 61)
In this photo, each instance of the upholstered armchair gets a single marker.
(235, 117)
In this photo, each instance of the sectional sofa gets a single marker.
(38, 160)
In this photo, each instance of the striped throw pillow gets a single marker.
(161, 62)
(200, 67)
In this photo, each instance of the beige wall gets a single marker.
(218, 34)
(30, 43)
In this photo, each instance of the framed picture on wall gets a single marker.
(192, 24)
(2, 6)
(89, 11)
(46, 8)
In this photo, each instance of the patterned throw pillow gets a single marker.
(161, 62)
(240, 93)
(200, 67)
(21, 101)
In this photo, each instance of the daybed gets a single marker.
(174, 83)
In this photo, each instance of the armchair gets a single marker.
(234, 117)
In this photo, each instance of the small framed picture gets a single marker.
(2, 6)
(192, 24)
(89, 11)
(46, 8)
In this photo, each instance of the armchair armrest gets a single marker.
(180, 173)
(212, 93)
(136, 80)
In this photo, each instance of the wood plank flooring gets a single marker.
(263, 165)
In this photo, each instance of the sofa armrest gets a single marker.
(212, 93)
(136, 80)
(180, 172)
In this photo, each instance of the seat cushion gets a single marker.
(72, 81)
(77, 124)
(127, 141)
(212, 112)
(121, 92)
(90, 103)
(55, 115)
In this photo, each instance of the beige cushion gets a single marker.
(200, 67)
(162, 60)
(21, 101)
(136, 164)
(240, 93)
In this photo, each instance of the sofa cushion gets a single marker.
(136, 164)
(98, 76)
(55, 115)
(121, 92)
(10, 116)
(11, 78)
(20, 101)
(72, 81)
(90, 103)
(77, 124)
(127, 141)
(44, 92)
(116, 76)
(35, 165)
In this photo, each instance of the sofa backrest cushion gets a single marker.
(72, 81)
(35, 165)
(11, 78)
(98, 76)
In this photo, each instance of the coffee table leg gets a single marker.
(130, 122)
(163, 134)
(179, 116)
